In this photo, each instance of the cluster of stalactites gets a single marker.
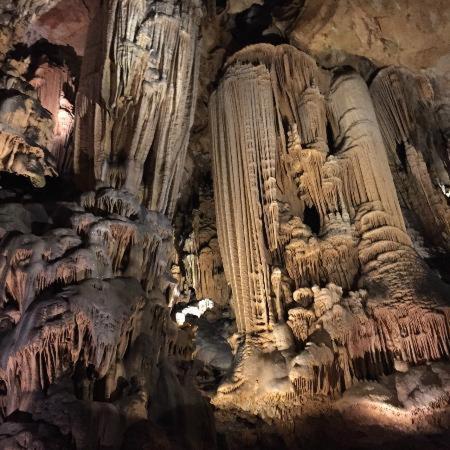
(295, 81)
(395, 113)
(136, 98)
(400, 97)
(136, 242)
(96, 315)
(358, 330)
(269, 121)
(344, 339)
(430, 196)
(202, 262)
(93, 322)
(264, 88)
(409, 114)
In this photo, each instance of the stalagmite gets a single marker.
(343, 224)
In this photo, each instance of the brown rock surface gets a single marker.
(401, 32)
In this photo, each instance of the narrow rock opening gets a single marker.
(311, 218)
(401, 153)
(330, 137)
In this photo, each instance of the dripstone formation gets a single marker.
(288, 267)
(136, 98)
(219, 229)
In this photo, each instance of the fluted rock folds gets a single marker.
(137, 96)
(299, 208)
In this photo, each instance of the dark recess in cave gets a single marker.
(311, 218)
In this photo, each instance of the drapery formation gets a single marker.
(136, 98)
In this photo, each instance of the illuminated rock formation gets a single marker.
(136, 98)
(283, 202)
(236, 232)
(25, 130)
(412, 119)
(50, 82)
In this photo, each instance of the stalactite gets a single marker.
(431, 196)
(359, 140)
(245, 96)
(407, 110)
(136, 98)
(258, 78)
(61, 146)
(50, 82)
(31, 264)
(138, 243)
(312, 371)
(94, 321)
(300, 319)
(202, 261)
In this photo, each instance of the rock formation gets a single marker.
(136, 98)
(85, 305)
(224, 224)
(202, 261)
(25, 128)
(296, 212)
(52, 83)
(412, 118)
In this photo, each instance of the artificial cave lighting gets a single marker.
(194, 310)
